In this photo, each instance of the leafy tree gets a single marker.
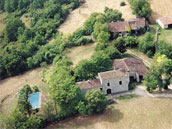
(147, 44)
(89, 24)
(98, 28)
(17, 120)
(131, 41)
(112, 15)
(103, 37)
(113, 52)
(120, 44)
(141, 8)
(165, 48)
(62, 89)
(88, 69)
(96, 102)
(160, 74)
(11, 29)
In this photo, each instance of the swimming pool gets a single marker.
(35, 100)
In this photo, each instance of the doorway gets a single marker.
(109, 91)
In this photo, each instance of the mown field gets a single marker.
(160, 8)
(136, 113)
(77, 54)
(79, 15)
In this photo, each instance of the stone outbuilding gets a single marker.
(122, 27)
(134, 67)
(165, 22)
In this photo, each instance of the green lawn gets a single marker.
(166, 35)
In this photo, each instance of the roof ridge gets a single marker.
(126, 65)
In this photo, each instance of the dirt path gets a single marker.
(78, 16)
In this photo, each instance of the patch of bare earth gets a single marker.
(79, 15)
(160, 8)
(26, 20)
(136, 113)
(2, 21)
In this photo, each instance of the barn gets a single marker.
(165, 22)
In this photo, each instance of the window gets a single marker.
(108, 84)
(101, 89)
(120, 82)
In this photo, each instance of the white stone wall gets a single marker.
(161, 24)
(115, 86)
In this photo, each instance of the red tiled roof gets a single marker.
(89, 84)
(120, 65)
(121, 26)
(166, 20)
(111, 74)
(118, 26)
(131, 65)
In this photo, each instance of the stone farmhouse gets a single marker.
(165, 22)
(124, 71)
(122, 27)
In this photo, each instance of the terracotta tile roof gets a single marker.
(131, 65)
(136, 65)
(166, 20)
(111, 74)
(120, 65)
(89, 84)
(118, 26)
(121, 26)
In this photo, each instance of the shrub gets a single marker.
(120, 44)
(132, 86)
(131, 42)
(96, 102)
(122, 3)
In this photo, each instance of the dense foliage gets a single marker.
(22, 48)
(147, 45)
(160, 73)
(112, 15)
(141, 8)
(95, 102)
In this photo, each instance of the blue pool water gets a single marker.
(35, 100)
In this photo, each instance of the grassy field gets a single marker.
(160, 8)
(2, 21)
(136, 113)
(77, 54)
(166, 35)
(79, 15)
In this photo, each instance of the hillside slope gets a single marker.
(79, 15)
